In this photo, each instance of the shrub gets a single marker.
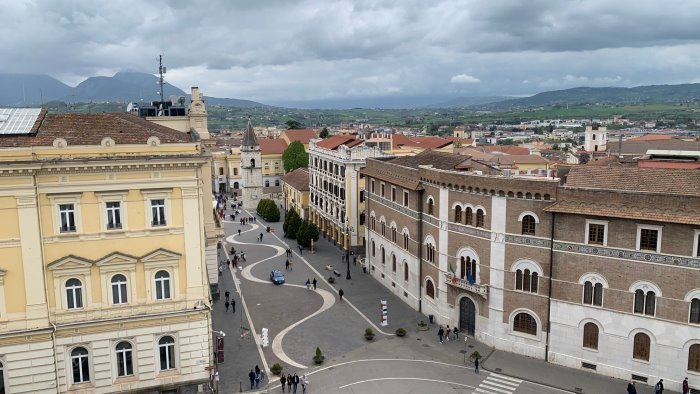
(475, 355)
(331, 279)
(293, 225)
(422, 323)
(400, 332)
(268, 210)
(369, 333)
(276, 369)
(319, 357)
(285, 226)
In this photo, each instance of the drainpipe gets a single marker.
(551, 284)
(420, 251)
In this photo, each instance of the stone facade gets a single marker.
(520, 273)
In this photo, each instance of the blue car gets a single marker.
(277, 277)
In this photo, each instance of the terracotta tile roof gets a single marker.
(626, 212)
(298, 179)
(521, 159)
(439, 160)
(431, 142)
(652, 137)
(301, 135)
(507, 149)
(90, 129)
(640, 180)
(640, 147)
(272, 146)
(411, 184)
(335, 141)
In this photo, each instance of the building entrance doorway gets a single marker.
(467, 316)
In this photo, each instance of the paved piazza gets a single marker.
(299, 320)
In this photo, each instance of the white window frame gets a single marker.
(649, 227)
(159, 208)
(174, 350)
(162, 282)
(89, 366)
(115, 213)
(123, 294)
(605, 231)
(118, 361)
(70, 216)
(72, 289)
(158, 195)
(594, 278)
(162, 260)
(646, 287)
(61, 199)
(696, 239)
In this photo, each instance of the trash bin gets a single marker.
(431, 318)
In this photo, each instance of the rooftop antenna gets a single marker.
(161, 71)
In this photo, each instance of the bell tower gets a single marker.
(251, 166)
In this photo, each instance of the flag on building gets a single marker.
(454, 274)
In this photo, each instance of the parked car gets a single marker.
(277, 277)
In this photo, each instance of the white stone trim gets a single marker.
(176, 349)
(525, 213)
(457, 204)
(511, 321)
(650, 227)
(121, 198)
(646, 286)
(594, 278)
(134, 359)
(72, 198)
(69, 367)
(696, 242)
(433, 300)
(605, 231)
(524, 264)
(476, 209)
(165, 195)
(695, 293)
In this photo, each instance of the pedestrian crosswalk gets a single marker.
(498, 384)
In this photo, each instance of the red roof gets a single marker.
(652, 137)
(272, 146)
(431, 142)
(507, 149)
(301, 135)
(335, 141)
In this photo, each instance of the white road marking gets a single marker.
(498, 384)
(499, 376)
(425, 380)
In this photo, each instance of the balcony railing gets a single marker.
(482, 290)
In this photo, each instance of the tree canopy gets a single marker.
(324, 133)
(268, 210)
(295, 156)
(293, 124)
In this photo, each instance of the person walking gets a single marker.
(686, 387)
(286, 265)
(300, 249)
(456, 332)
(233, 305)
(659, 387)
(447, 333)
(227, 294)
(476, 365)
(441, 332)
(295, 382)
(283, 381)
(308, 284)
(239, 232)
(261, 236)
(340, 293)
(304, 382)
(289, 382)
(251, 376)
(315, 282)
(221, 269)
(257, 376)
(226, 304)
(630, 388)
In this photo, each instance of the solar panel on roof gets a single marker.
(18, 120)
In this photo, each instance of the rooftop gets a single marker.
(439, 160)
(637, 180)
(270, 146)
(335, 141)
(297, 179)
(301, 135)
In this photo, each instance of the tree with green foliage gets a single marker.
(292, 212)
(294, 157)
(324, 133)
(293, 124)
(268, 210)
(306, 233)
(293, 226)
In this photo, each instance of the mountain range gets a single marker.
(19, 90)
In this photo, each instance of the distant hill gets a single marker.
(461, 102)
(33, 89)
(653, 94)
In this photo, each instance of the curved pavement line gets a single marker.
(421, 379)
(328, 301)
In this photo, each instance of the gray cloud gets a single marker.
(294, 51)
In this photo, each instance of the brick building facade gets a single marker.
(523, 263)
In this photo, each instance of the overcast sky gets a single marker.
(287, 51)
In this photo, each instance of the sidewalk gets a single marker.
(364, 292)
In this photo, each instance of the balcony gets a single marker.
(482, 290)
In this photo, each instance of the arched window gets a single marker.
(374, 249)
(590, 336)
(694, 358)
(644, 303)
(458, 214)
(119, 294)
(166, 351)
(468, 216)
(405, 271)
(525, 323)
(429, 289)
(383, 255)
(467, 268)
(125, 363)
(528, 225)
(405, 241)
(393, 263)
(526, 280)
(74, 294)
(430, 253)
(593, 294)
(373, 223)
(695, 311)
(80, 364)
(430, 206)
(383, 227)
(479, 218)
(393, 234)
(252, 163)
(236, 185)
(162, 285)
(642, 345)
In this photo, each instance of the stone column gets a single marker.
(32, 261)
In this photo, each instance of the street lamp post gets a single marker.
(348, 230)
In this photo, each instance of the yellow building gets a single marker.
(295, 189)
(106, 224)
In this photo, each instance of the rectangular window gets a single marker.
(67, 214)
(405, 199)
(382, 189)
(648, 239)
(393, 194)
(372, 186)
(596, 234)
(362, 196)
(158, 212)
(235, 171)
(696, 244)
(114, 217)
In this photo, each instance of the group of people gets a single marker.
(245, 220)
(310, 283)
(256, 376)
(445, 333)
(229, 301)
(658, 387)
(293, 381)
